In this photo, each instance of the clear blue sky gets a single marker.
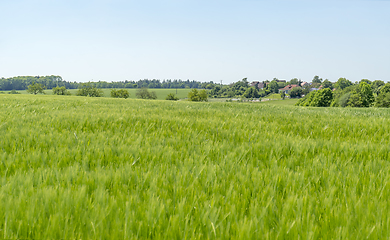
(203, 40)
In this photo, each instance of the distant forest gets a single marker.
(22, 83)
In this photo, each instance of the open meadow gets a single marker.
(161, 93)
(103, 168)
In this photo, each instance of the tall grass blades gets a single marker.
(77, 167)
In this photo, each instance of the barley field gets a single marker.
(102, 168)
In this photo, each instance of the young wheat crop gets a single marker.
(77, 167)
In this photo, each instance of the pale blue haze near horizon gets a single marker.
(200, 40)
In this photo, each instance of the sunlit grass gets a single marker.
(161, 93)
(78, 167)
(281, 102)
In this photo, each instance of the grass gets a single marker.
(76, 167)
(281, 102)
(160, 92)
(275, 96)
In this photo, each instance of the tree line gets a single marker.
(50, 82)
(22, 82)
(299, 89)
(347, 94)
(250, 90)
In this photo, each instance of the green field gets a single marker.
(160, 92)
(103, 168)
(282, 102)
(275, 96)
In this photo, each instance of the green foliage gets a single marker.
(320, 98)
(327, 84)
(230, 93)
(36, 88)
(317, 79)
(343, 101)
(240, 87)
(210, 86)
(339, 93)
(282, 95)
(273, 86)
(366, 81)
(121, 93)
(362, 96)
(305, 101)
(383, 99)
(13, 92)
(251, 92)
(193, 95)
(203, 95)
(215, 92)
(197, 96)
(296, 92)
(376, 86)
(342, 83)
(144, 93)
(60, 91)
(172, 96)
(87, 90)
(294, 81)
(22, 82)
(219, 91)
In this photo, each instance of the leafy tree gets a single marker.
(317, 79)
(13, 92)
(197, 96)
(121, 93)
(240, 87)
(143, 93)
(281, 85)
(306, 100)
(339, 93)
(344, 99)
(203, 95)
(251, 93)
(193, 95)
(216, 91)
(296, 92)
(294, 81)
(327, 84)
(306, 90)
(209, 86)
(230, 93)
(282, 95)
(36, 88)
(342, 83)
(87, 90)
(60, 91)
(171, 96)
(383, 99)
(376, 86)
(273, 86)
(362, 96)
(320, 98)
(366, 81)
